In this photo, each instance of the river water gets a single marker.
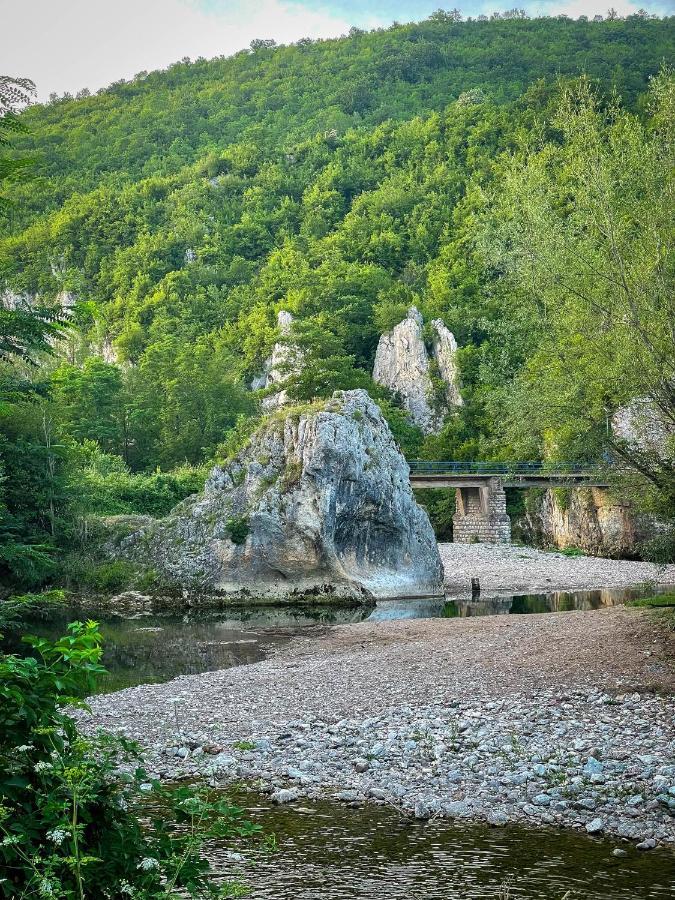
(145, 648)
(329, 852)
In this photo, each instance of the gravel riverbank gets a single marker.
(561, 719)
(508, 569)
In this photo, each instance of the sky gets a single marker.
(67, 45)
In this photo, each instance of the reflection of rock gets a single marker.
(283, 361)
(587, 518)
(320, 502)
(388, 610)
(403, 365)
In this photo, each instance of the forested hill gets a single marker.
(512, 177)
(275, 97)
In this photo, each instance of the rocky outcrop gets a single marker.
(282, 362)
(317, 502)
(11, 300)
(444, 352)
(642, 425)
(587, 518)
(403, 364)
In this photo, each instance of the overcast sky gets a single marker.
(66, 45)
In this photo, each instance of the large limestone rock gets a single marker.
(403, 364)
(587, 518)
(284, 359)
(444, 350)
(317, 502)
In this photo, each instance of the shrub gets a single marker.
(660, 549)
(13, 609)
(110, 576)
(106, 487)
(72, 825)
(660, 600)
(238, 529)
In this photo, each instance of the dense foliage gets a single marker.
(456, 165)
(72, 825)
(276, 97)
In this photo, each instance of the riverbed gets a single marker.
(559, 720)
(512, 569)
(151, 645)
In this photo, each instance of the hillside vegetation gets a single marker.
(485, 171)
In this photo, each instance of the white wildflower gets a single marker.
(126, 888)
(10, 840)
(42, 766)
(57, 835)
(24, 748)
(148, 864)
(46, 888)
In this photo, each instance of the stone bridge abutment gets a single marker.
(481, 514)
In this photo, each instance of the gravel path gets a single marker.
(511, 570)
(562, 719)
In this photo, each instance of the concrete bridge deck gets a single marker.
(455, 474)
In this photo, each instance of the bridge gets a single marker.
(480, 490)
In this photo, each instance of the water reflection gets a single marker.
(148, 647)
(502, 604)
(333, 853)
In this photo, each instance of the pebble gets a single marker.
(543, 752)
(595, 826)
(285, 795)
(421, 760)
(647, 844)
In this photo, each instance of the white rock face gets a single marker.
(320, 503)
(402, 364)
(591, 520)
(276, 370)
(641, 423)
(445, 354)
(10, 300)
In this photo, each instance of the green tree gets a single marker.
(583, 228)
(90, 404)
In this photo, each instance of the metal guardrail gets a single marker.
(462, 467)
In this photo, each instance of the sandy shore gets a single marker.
(561, 719)
(510, 569)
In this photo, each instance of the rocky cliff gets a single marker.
(318, 501)
(278, 366)
(587, 518)
(404, 365)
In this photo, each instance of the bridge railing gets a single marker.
(464, 467)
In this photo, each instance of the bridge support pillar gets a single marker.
(481, 515)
